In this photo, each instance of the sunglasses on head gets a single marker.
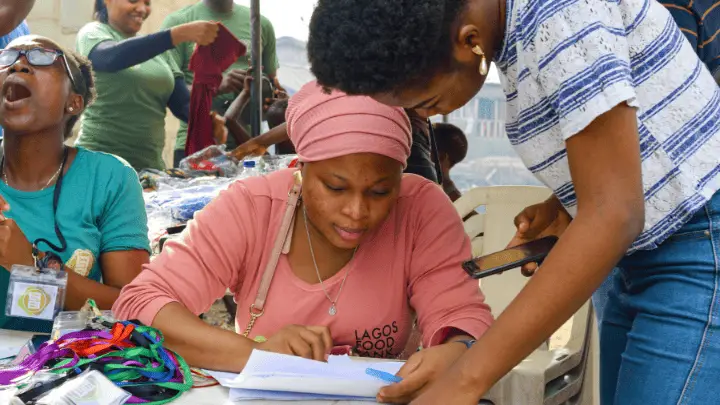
(35, 57)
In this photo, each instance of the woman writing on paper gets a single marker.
(364, 247)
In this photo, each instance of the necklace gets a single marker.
(333, 309)
(57, 173)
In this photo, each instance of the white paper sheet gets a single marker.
(12, 343)
(281, 377)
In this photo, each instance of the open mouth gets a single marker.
(14, 92)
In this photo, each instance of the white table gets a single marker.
(200, 396)
(219, 395)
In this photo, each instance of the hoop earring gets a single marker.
(483, 69)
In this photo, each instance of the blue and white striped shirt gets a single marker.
(565, 62)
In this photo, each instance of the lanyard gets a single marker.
(128, 353)
(56, 199)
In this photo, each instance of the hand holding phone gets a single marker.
(499, 262)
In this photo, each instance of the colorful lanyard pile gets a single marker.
(130, 355)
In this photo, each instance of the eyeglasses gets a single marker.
(35, 57)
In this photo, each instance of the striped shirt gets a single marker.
(565, 62)
(699, 20)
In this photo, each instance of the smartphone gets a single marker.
(498, 262)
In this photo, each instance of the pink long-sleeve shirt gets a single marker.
(410, 264)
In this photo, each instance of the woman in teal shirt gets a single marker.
(137, 82)
(98, 228)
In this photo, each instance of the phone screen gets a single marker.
(507, 259)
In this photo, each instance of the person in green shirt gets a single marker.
(81, 210)
(137, 81)
(237, 19)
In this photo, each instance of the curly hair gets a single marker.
(451, 141)
(374, 46)
(275, 115)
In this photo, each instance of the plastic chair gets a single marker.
(547, 377)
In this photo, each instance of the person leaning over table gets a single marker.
(98, 228)
(699, 20)
(237, 19)
(609, 106)
(137, 81)
(367, 247)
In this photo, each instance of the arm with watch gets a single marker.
(426, 366)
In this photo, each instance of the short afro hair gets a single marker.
(451, 140)
(275, 114)
(374, 46)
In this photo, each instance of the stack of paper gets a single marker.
(279, 377)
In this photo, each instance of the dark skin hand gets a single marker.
(258, 146)
(13, 13)
(538, 221)
(188, 335)
(232, 82)
(234, 112)
(610, 216)
(422, 369)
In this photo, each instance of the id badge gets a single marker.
(35, 293)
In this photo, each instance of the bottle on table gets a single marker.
(249, 169)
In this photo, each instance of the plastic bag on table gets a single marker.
(212, 160)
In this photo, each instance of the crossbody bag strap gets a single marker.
(258, 307)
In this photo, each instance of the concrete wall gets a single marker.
(61, 20)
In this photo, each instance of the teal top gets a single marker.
(101, 209)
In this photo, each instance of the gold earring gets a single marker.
(483, 69)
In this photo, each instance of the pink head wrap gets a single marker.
(325, 126)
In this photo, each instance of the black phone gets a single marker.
(498, 262)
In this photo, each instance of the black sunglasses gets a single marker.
(35, 57)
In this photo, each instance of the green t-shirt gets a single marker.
(101, 209)
(238, 22)
(128, 117)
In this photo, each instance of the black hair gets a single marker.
(275, 114)
(375, 46)
(101, 11)
(82, 74)
(451, 141)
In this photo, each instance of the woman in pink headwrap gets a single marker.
(344, 252)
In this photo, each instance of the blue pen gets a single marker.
(382, 375)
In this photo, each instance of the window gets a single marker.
(486, 109)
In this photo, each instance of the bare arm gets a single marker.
(187, 334)
(233, 115)
(118, 269)
(13, 13)
(610, 216)
(258, 146)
